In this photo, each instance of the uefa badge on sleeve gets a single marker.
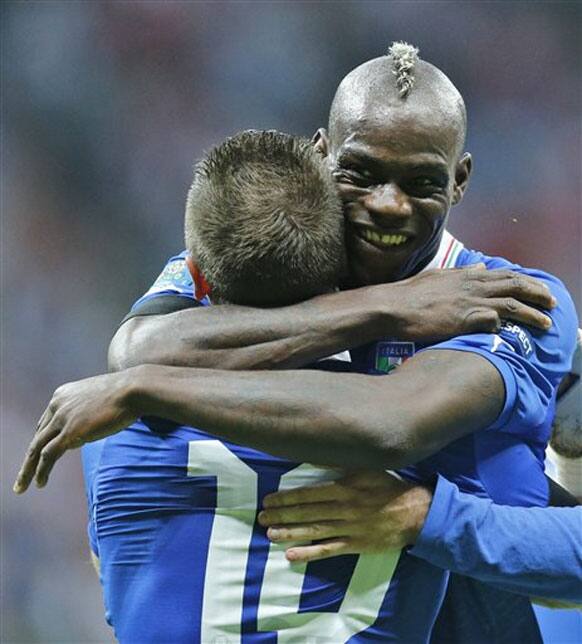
(391, 354)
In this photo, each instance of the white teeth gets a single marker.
(384, 240)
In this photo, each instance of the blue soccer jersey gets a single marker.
(183, 559)
(173, 512)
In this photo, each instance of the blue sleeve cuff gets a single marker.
(436, 520)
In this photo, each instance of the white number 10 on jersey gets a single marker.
(228, 559)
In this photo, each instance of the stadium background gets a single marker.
(105, 107)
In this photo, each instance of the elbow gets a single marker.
(155, 339)
(125, 349)
(395, 447)
(382, 443)
(397, 455)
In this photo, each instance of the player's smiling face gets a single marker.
(398, 176)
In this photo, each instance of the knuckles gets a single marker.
(511, 305)
(324, 549)
(493, 321)
(518, 283)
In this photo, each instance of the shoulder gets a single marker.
(175, 276)
(562, 335)
(176, 281)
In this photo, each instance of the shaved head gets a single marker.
(395, 146)
(397, 86)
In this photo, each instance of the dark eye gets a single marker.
(350, 176)
(426, 185)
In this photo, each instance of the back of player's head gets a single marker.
(264, 220)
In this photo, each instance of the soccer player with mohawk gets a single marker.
(475, 408)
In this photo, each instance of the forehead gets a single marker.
(423, 134)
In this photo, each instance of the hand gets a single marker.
(441, 304)
(365, 512)
(78, 413)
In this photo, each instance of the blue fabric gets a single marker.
(153, 522)
(532, 551)
(559, 626)
(175, 279)
(154, 515)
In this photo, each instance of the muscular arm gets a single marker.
(332, 419)
(337, 419)
(347, 420)
(428, 307)
(238, 337)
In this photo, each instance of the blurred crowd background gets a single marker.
(106, 106)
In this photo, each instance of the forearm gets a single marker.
(236, 337)
(474, 537)
(429, 307)
(300, 415)
(347, 420)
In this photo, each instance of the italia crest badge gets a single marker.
(391, 354)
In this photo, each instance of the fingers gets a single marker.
(318, 551)
(311, 531)
(49, 455)
(516, 311)
(521, 287)
(328, 491)
(33, 456)
(311, 513)
(45, 418)
(488, 318)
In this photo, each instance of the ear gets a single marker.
(462, 174)
(320, 142)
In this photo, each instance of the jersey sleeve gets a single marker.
(474, 537)
(532, 363)
(173, 290)
(175, 279)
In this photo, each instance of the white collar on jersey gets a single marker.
(447, 254)
(446, 257)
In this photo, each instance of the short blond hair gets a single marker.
(264, 220)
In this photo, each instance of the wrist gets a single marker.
(133, 391)
(387, 313)
(419, 504)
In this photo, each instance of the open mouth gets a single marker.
(382, 240)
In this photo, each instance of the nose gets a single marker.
(388, 203)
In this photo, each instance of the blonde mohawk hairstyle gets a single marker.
(404, 58)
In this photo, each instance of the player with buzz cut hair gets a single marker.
(468, 396)
(180, 557)
(264, 220)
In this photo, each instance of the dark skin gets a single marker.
(403, 189)
(301, 415)
(406, 190)
(430, 307)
